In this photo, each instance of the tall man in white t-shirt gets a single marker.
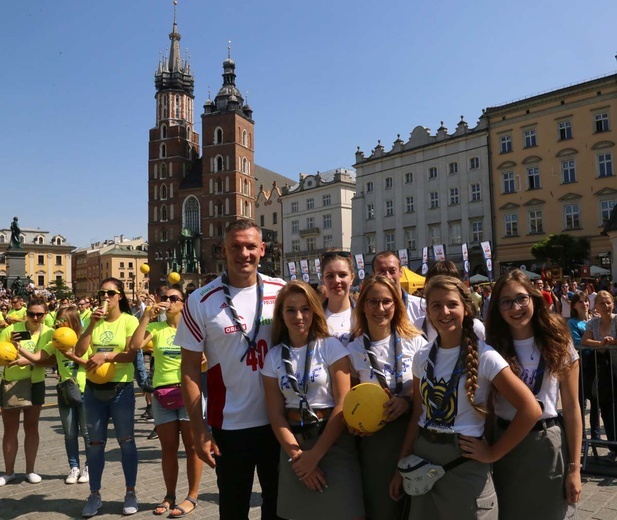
(388, 264)
(229, 319)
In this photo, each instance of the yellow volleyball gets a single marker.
(363, 407)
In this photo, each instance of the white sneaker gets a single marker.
(33, 478)
(84, 476)
(72, 477)
(92, 505)
(130, 504)
(5, 479)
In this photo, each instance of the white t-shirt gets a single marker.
(431, 332)
(340, 324)
(415, 309)
(385, 352)
(565, 305)
(528, 356)
(461, 416)
(319, 392)
(236, 397)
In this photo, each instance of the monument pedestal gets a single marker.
(16, 268)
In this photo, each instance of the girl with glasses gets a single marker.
(35, 336)
(381, 353)
(337, 274)
(108, 335)
(540, 476)
(453, 377)
(170, 416)
(72, 416)
(306, 377)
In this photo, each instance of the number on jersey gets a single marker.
(255, 357)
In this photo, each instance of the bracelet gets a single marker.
(407, 398)
(573, 465)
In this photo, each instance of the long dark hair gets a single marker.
(550, 331)
(124, 304)
(579, 296)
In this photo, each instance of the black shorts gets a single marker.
(38, 393)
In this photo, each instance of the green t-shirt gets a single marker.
(66, 366)
(17, 313)
(50, 318)
(38, 341)
(167, 356)
(112, 337)
(85, 316)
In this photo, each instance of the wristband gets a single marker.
(574, 465)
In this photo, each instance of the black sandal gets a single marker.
(184, 512)
(168, 503)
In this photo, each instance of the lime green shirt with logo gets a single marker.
(50, 318)
(17, 313)
(167, 356)
(112, 337)
(67, 366)
(39, 339)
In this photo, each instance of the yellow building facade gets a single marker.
(553, 170)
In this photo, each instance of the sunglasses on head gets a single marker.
(173, 298)
(109, 292)
(37, 315)
(328, 255)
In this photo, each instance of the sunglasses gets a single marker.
(37, 315)
(109, 292)
(173, 298)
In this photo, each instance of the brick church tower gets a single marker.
(191, 198)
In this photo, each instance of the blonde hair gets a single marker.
(469, 339)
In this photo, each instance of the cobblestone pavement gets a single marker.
(54, 500)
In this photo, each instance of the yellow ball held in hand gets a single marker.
(149, 346)
(145, 268)
(8, 353)
(173, 278)
(363, 407)
(103, 374)
(64, 339)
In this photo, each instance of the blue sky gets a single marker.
(323, 78)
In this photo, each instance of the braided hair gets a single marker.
(469, 340)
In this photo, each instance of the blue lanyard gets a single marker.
(252, 343)
(293, 380)
(398, 362)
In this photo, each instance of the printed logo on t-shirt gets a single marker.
(446, 406)
(106, 337)
(234, 328)
(529, 376)
(269, 300)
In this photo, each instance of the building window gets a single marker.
(605, 165)
(327, 221)
(390, 241)
(433, 200)
(370, 211)
(275, 218)
(505, 143)
(295, 226)
(533, 178)
(369, 187)
(408, 178)
(568, 171)
(409, 205)
(244, 141)
(310, 203)
(602, 122)
(535, 222)
(295, 246)
(410, 238)
(388, 183)
(565, 130)
(219, 163)
(41, 280)
(529, 137)
(452, 168)
(508, 182)
(191, 214)
(432, 172)
(310, 222)
(434, 234)
(454, 200)
(327, 241)
(130, 265)
(58, 259)
(262, 220)
(294, 207)
(163, 151)
(41, 260)
(511, 224)
(310, 244)
(572, 216)
(389, 208)
(370, 242)
(476, 193)
(163, 213)
(606, 207)
(474, 163)
(121, 265)
(163, 192)
(327, 200)
(218, 136)
(454, 230)
(477, 231)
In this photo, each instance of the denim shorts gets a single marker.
(162, 415)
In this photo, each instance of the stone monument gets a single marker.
(15, 259)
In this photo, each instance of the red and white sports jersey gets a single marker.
(236, 398)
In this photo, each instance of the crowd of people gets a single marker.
(484, 383)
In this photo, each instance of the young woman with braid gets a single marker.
(306, 376)
(452, 378)
(382, 354)
(540, 476)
